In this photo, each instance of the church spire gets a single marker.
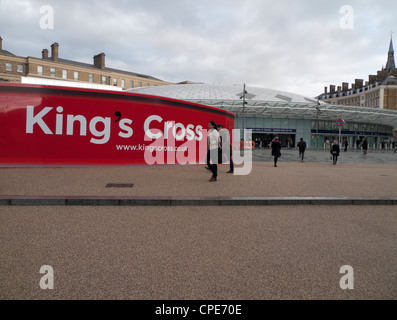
(390, 65)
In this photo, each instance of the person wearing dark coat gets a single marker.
(365, 146)
(302, 148)
(335, 150)
(346, 143)
(276, 150)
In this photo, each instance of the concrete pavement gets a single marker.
(178, 253)
(315, 181)
(187, 251)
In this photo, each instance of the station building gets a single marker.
(291, 116)
(380, 91)
(52, 69)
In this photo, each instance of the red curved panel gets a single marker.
(47, 125)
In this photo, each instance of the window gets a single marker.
(140, 84)
(64, 74)
(40, 70)
(20, 68)
(122, 83)
(52, 72)
(8, 66)
(90, 78)
(131, 84)
(103, 80)
(76, 76)
(115, 82)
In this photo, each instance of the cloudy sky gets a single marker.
(299, 46)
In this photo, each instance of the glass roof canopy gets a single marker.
(306, 111)
(268, 103)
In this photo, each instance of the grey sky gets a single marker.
(290, 45)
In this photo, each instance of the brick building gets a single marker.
(380, 91)
(16, 68)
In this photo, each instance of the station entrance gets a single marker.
(265, 139)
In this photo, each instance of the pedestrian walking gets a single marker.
(364, 146)
(302, 148)
(346, 143)
(276, 149)
(225, 147)
(335, 150)
(212, 154)
(290, 143)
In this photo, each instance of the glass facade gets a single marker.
(328, 131)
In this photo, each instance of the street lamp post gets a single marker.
(242, 96)
(245, 95)
(317, 111)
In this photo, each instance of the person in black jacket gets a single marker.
(302, 148)
(276, 150)
(365, 146)
(335, 152)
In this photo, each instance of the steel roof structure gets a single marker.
(268, 103)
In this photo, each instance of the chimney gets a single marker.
(358, 83)
(44, 54)
(331, 88)
(339, 88)
(54, 51)
(353, 86)
(99, 61)
(372, 79)
(325, 89)
(345, 86)
(1, 44)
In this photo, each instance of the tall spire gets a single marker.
(390, 65)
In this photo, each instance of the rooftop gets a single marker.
(269, 103)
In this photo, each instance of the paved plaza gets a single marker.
(257, 252)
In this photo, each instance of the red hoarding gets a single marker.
(48, 125)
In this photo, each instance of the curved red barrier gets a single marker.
(48, 125)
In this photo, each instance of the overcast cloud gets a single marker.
(289, 45)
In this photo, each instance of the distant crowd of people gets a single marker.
(362, 144)
(220, 149)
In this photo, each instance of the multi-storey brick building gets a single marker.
(16, 68)
(380, 91)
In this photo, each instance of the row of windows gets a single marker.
(104, 79)
(9, 67)
(351, 126)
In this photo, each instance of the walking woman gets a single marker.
(276, 150)
(212, 154)
(335, 152)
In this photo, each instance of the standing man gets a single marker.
(302, 148)
(276, 149)
(225, 146)
(212, 154)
